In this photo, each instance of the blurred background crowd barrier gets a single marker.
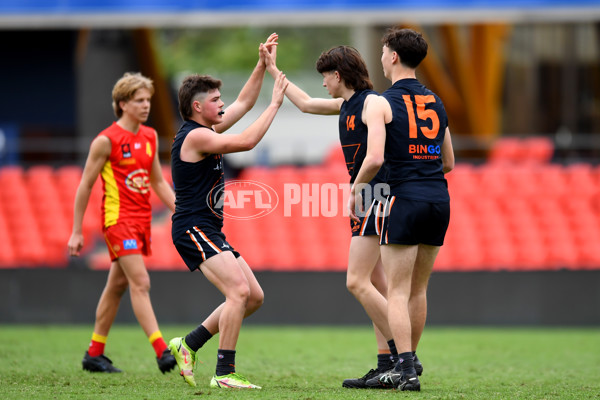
(516, 211)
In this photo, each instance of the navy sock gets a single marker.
(415, 358)
(405, 363)
(196, 338)
(225, 362)
(392, 346)
(384, 362)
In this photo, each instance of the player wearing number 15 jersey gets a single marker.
(414, 160)
(408, 127)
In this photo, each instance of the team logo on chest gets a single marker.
(138, 181)
(126, 150)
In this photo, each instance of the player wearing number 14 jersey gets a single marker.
(408, 126)
(346, 78)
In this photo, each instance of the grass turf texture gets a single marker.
(305, 362)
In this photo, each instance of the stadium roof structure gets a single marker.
(44, 14)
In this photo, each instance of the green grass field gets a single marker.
(305, 362)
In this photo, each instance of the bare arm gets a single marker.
(160, 186)
(447, 153)
(202, 141)
(249, 93)
(312, 105)
(99, 152)
(375, 114)
(299, 97)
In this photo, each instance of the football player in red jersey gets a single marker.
(125, 155)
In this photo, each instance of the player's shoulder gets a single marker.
(367, 93)
(201, 131)
(107, 135)
(373, 97)
(377, 99)
(110, 130)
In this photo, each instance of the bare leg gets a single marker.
(139, 290)
(417, 304)
(255, 300)
(398, 262)
(379, 280)
(108, 305)
(236, 281)
(364, 256)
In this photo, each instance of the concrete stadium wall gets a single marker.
(70, 295)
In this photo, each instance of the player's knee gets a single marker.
(257, 298)
(379, 281)
(141, 284)
(118, 286)
(354, 285)
(239, 294)
(418, 294)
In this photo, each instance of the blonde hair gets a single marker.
(125, 89)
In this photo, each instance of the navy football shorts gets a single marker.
(199, 244)
(412, 222)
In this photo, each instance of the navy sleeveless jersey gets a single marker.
(413, 143)
(198, 187)
(353, 134)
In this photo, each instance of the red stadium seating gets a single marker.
(508, 214)
(514, 150)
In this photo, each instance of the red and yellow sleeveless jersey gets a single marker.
(126, 176)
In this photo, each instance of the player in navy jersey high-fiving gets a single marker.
(408, 127)
(346, 78)
(197, 168)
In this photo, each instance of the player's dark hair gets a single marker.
(349, 64)
(410, 45)
(190, 88)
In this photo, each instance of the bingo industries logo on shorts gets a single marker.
(241, 199)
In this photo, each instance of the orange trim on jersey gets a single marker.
(208, 241)
(354, 157)
(111, 196)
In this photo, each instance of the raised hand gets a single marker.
(270, 61)
(268, 49)
(279, 89)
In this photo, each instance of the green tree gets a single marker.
(213, 51)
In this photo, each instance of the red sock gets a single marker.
(158, 343)
(97, 345)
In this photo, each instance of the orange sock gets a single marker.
(158, 343)
(97, 345)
